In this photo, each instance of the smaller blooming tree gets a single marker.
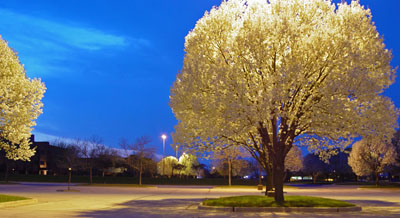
(188, 160)
(168, 168)
(293, 160)
(370, 157)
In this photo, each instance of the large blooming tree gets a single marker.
(268, 74)
(20, 105)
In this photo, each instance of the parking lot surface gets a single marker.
(179, 201)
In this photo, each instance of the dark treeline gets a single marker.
(94, 161)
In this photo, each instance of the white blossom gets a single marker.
(371, 156)
(20, 105)
(268, 74)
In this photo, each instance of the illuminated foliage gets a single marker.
(294, 160)
(20, 105)
(371, 156)
(188, 161)
(268, 74)
(168, 168)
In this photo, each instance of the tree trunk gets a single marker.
(26, 168)
(103, 174)
(269, 179)
(140, 173)
(278, 167)
(90, 175)
(377, 179)
(278, 172)
(285, 175)
(230, 171)
(314, 178)
(6, 173)
(277, 144)
(69, 179)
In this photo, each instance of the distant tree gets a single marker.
(293, 161)
(20, 105)
(168, 169)
(371, 156)
(141, 153)
(106, 158)
(70, 156)
(255, 168)
(150, 166)
(8, 164)
(178, 167)
(396, 144)
(89, 150)
(188, 160)
(338, 165)
(314, 166)
(229, 160)
(198, 168)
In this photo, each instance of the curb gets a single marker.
(281, 209)
(18, 203)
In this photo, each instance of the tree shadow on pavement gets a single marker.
(153, 208)
(188, 208)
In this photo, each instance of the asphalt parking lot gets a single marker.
(179, 201)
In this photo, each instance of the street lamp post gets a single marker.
(176, 148)
(69, 177)
(163, 151)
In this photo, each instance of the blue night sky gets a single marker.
(108, 66)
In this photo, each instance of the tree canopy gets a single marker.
(268, 74)
(20, 105)
(371, 156)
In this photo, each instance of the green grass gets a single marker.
(120, 185)
(6, 198)
(263, 201)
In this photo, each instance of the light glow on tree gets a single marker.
(269, 74)
(20, 105)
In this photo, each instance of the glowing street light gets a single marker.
(163, 151)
